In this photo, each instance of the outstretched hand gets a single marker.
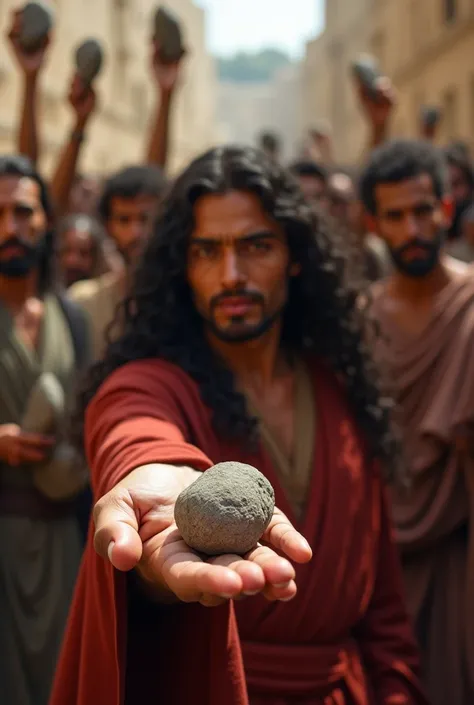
(135, 528)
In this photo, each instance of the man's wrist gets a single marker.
(166, 95)
(31, 80)
(379, 133)
(78, 135)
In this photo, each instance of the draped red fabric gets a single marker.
(344, 640)
(346, 637)
(179, 654)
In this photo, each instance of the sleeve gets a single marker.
(385, 635)
(138, 418)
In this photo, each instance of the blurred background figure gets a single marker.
(343, 199)
(461, 182)
(313, 180)
(270, 143)
(81, 248)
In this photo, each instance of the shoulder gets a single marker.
(148, 373)
(160, 386)
(87, 291)
(71, 308)
(457, 267)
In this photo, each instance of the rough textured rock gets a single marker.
(168, 35)
(226, 510)
(36, 21)
(89, 60)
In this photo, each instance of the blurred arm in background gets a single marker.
(166, 77)
(83, 102)
(378, 110)
(31, 64)
(321, 147)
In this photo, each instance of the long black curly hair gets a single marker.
(321, 316)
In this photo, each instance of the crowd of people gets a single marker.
(311, 320)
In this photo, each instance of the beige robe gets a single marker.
(39, 557)
(431, 374)
(99, 298)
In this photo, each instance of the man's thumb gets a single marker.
(116, 532)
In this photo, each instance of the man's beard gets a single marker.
(238, 331)
(420, 266)
(22, 264)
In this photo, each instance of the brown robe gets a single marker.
(432, 376)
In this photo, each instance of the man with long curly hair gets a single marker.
(241, 342)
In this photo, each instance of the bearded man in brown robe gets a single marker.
(424, 340)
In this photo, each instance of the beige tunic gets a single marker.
(294, 473)
(39, 557)
(99, 298)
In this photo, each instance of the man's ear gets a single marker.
(447, 205)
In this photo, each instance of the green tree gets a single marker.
(259, 67)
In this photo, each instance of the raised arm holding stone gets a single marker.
(30, 64)
(166, 76)
(82, 99)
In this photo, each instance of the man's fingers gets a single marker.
(282, 535)
(251, 574)
(277, 570)
(36, 440)
(211, 601)
(116, 530)
(31, 455)
(282, 594)
(189, 577)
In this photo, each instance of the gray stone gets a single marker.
(168, 35)
(226, 510)
(89, 60)
(36, 22)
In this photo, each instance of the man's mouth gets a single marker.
(235, 306)
(12, 252)
(415, 253)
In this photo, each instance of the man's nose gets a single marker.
(232, 275)
(8, 225)
(412, 228)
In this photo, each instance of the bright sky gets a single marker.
(248, 25)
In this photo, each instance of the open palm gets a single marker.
(135, 529)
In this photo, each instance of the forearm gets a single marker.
(379, 135)
(158, 147)
(28, 133)
(63, 178)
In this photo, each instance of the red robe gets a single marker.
(344, 640)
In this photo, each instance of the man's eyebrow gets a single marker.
(251, 237)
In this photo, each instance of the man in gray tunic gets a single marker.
(42, 342)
